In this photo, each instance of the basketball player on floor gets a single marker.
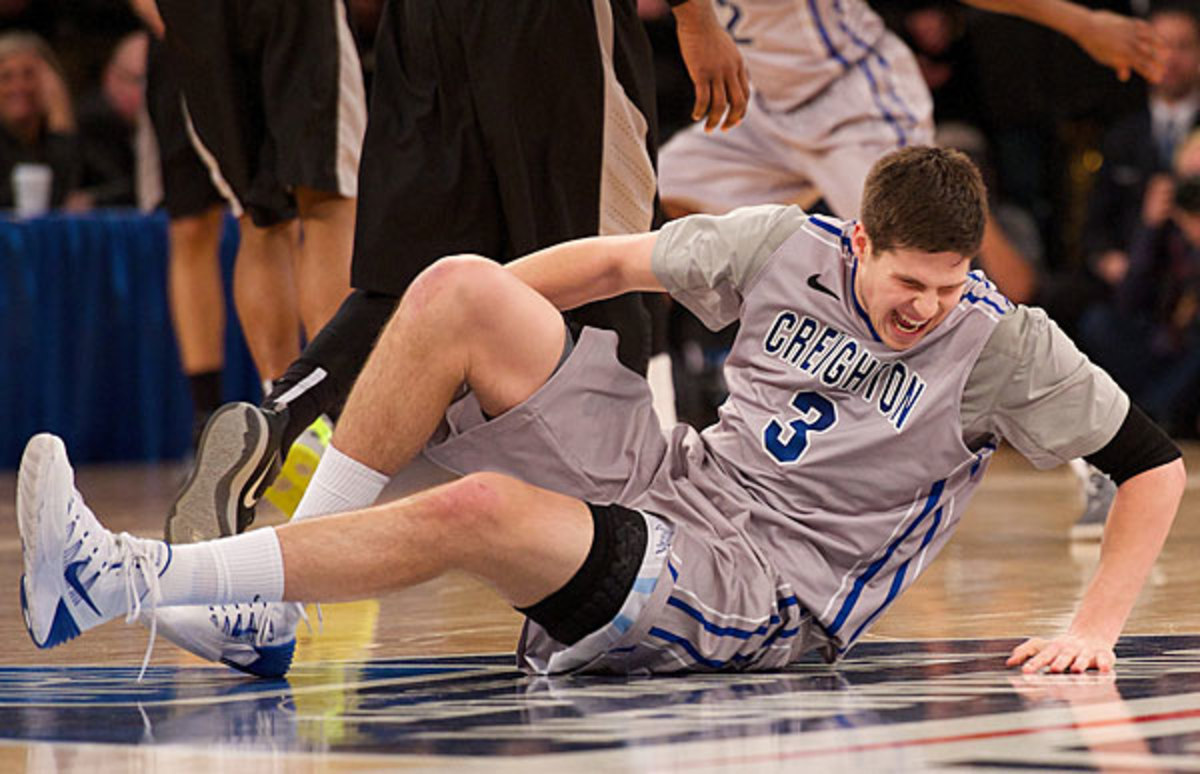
(871, 379)
(834, 91)
(497, 129)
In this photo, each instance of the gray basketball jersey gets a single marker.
(850, 456)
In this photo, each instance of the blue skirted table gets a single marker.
(88, 350)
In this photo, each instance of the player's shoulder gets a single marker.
(981, 295)
(763, 228)
(1019, 332)
(833, 231)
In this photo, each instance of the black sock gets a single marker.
(206, 391)
(340, 350)
(205, 388)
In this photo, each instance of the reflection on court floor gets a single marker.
(933, 704)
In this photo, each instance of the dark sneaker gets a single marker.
(1098, 494)
(237, 458)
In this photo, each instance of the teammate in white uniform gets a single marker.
(833, 90)
(870, 381)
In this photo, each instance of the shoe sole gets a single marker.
(38, 493)
(231, 460)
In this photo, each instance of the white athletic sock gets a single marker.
(216, 572)
(340, 483)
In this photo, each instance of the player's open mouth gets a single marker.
(907, 326)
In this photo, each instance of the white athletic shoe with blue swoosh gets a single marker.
(257, 638)
(77, 573)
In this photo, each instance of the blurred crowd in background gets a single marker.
(1095, 182)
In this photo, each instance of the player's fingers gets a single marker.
(1024, 651)
(1083, 661)
(1105, 660)
(1062, 662)
(1042, 658)
(703, 95)
(716, 109)
(1018, 656)
(737, 103)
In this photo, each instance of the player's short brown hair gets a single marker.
(924, 198)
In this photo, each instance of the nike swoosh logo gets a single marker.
(71, 574)
(248, 499)
(814, 282)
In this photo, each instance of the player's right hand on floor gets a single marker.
(1065, 653)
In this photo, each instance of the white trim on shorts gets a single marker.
(351, 108)
(210, 162)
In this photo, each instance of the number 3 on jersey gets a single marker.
(817, 414)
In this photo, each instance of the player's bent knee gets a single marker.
(463, 284)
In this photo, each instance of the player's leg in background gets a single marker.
(326, 205)
(195, 214)
(264, 294)
(322, 276)
(197, 302)
(322, 272)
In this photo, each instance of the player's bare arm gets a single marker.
(586, 270)
(1138, 524)
(714, 64)
(1125, 44)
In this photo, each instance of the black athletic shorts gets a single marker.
(486, 130)
(187, 187)
(274, 92)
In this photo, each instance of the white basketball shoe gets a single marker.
(258, 638)
(77, 573)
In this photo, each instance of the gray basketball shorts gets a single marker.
(705, 598)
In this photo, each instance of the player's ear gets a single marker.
(860, 241)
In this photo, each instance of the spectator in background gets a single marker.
(1141, 145)
(108, 123)
(1148, 336)
(37, 124)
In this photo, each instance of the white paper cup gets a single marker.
(31, 189)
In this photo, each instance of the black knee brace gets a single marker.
(594, 595)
